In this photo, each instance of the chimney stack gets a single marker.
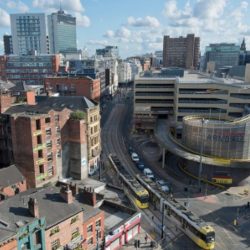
(89, 196)
(33, 207)
(66, 194)
(31, 98)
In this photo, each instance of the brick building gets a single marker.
(51, 137)
(181, 52)
(30, 69)
(74, 86)
(12, 182)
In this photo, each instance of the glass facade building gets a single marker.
(28, 33)
(62, 33)
(223, 54)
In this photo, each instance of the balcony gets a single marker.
(75, 242)
(39, 147)
(38, 132)
(41, 177)
(40, 161)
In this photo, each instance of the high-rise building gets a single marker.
(62, 32)
(8, 46)
(108, 51)
(28, 33)
(181, 52)
(222, 54)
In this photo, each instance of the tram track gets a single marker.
(114, 144)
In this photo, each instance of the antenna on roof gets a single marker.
(61, 10)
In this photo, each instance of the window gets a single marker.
(55, 244)
(98, 223)
(37, 238)
(75, 233)
(40, 154)
(50, 157)
(58, 153)
(47, 120)
(39, 139)
(41, 169)
(49, 144)
(90, 241)
(57, 118)
(54, 230)
(50, 170)
(48, 131)
(38, 124)
(74, 219)
(58, 141)
(90, 228)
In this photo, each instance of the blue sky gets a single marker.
(138, 26)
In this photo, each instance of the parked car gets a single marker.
(135, 157)
(163, 185)
(147, 172)
(140, 165)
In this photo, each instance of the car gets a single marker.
(148, 173)
(135, 157)
(140, 165)
(163, 185)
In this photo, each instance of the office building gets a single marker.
(7, 43)
(73, 86)
(156, 96)
(29, 69)
(124, 72)
(221, 54)
(62, 33)
(108, 51)
(28, 33)
(181, 52)
(60, 137)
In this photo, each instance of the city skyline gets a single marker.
(136, 27)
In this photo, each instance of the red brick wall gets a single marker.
(9, 191)
(84, 86)
(92, 221)
(5, 102)
(65, 233)
(9, 246)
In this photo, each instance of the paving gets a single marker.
(218, 208)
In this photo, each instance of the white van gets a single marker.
(147, 172)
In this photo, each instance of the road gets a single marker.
(113, 142)
(162, 135)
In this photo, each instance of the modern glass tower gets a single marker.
(62, 32)
(28, 33)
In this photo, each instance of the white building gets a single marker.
(136, 68)
(28, 33)
(124, 72)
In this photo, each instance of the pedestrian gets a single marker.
(153, 218)
(146, 238)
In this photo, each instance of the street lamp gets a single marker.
(201, 151)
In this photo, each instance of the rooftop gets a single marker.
(10, 176)
(45, 104)
(15, 210)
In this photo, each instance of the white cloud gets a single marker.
(209, 9)
(98, 42)
(123, 32)
(4, 18)
(19, 5)
(109, 34)
(147, 21)
(82, 20)
(72, 5)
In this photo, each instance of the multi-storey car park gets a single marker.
(157, 95)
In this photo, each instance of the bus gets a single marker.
(139, 193)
